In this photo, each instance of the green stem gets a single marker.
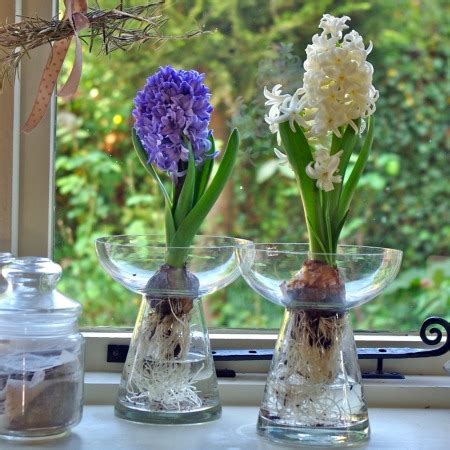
(177, 256)
(188, 223)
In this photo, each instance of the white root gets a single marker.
(309, 359)
(314, 345)
(159, 375)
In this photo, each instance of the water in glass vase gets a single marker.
(312, 411)
(169, 375)
(313, 392)
(170, 391)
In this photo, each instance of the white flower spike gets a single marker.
(337, 85)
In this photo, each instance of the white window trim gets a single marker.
(27, 176)
(27, 210)
(97, 343)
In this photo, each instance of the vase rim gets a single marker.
(158, 241)
(302, 248)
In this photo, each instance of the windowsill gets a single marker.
(391, 429)
(408, 413)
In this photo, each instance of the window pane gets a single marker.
(402, 199)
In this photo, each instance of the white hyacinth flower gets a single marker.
(337, 85)
(283, 108)
(275, 98)
(333, 25)
(283, 159)
(324, 169)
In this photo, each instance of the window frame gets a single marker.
(98, 339)
(27, 186)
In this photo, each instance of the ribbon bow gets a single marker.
(75, 13)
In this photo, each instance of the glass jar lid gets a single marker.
(31, 301)
(5, 258)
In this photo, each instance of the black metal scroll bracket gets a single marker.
(117, 353)
(429, 326)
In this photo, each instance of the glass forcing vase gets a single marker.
(314, 394)
(313, 391)
(169, 375)
(5, 258)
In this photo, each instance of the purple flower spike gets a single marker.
(172, 107)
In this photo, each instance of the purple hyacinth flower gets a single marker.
(174, 106)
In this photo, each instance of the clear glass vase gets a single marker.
(314, 394)
(5, 258)
(169, 375)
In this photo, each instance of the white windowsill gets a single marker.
(392, 429)
(405, 414)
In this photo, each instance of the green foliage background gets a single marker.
(403, 197)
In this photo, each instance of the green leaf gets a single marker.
(349, 188)
(332, 244)
(321, 248)
(204, 173)
(169, 224)
(346, 143)
(142, 155)
(190, 225)
(184, 203)
(338, 229)
(299, 155)
(336, 143)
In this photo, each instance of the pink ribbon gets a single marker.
(75, 13)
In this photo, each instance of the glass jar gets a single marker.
(5, 258)
(41, 353)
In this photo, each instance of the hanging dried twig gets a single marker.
(118, 28)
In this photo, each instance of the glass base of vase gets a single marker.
(353, 435)
(201, 415)
(36, 436)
